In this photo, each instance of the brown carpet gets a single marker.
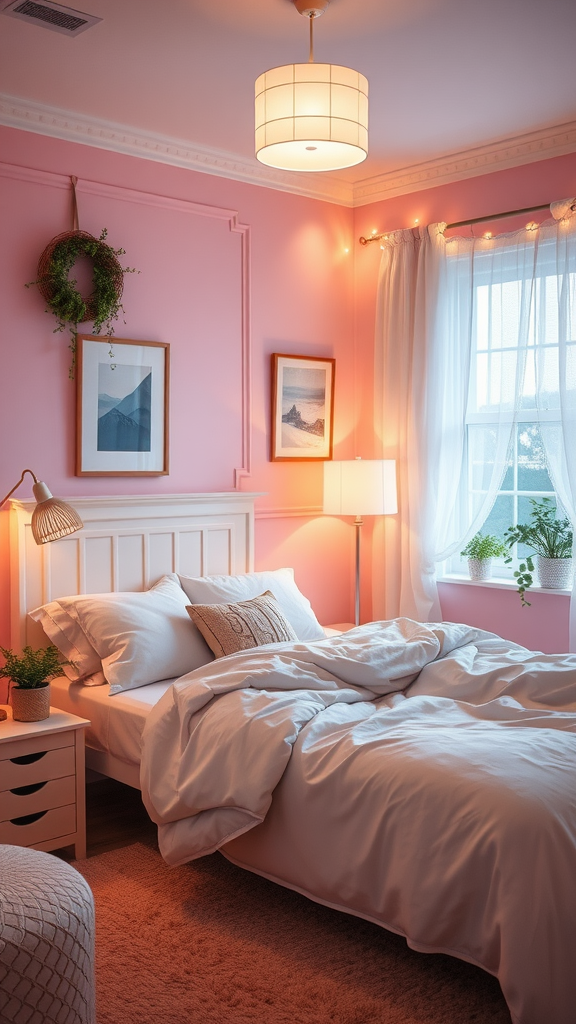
(208, 943)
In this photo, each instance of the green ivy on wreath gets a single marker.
(103, 305)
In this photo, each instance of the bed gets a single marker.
(419, 775)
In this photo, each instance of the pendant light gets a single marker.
(311, 117)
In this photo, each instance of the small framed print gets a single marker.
(122, 407)
(302, 408)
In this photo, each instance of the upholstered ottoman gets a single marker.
(46, 940)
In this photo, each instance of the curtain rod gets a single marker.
(475, 220)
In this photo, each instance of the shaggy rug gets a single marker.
(208, 943)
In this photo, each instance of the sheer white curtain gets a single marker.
(467, 329)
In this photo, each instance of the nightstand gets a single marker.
(42, 782)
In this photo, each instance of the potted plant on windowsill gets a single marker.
(551, 542)
(480, 551)
(30, 674)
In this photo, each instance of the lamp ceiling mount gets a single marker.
(311, 8)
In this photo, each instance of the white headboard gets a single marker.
(127, 543)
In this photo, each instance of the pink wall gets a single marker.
(307, 296)
(545, 624)
(189, 293)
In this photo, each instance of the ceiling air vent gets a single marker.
(50, 15)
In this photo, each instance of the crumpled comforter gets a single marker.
(419, 775)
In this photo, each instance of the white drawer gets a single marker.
(60, 821)
(37, 766)
(40, 796)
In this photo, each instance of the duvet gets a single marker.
(420, 775)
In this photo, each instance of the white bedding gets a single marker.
(422, 776)
(117, 722)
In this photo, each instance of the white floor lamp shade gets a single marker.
(360, 487)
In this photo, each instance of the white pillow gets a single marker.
(224, 589)
(140, 637)
(61, 627)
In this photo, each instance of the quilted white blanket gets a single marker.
(420, 775)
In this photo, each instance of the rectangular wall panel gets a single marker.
(98, 565)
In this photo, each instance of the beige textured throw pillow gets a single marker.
(228, 628)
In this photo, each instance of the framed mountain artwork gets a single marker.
(302, 408)
(122, 407)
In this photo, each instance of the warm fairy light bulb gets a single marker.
(531, 226)
(488, 234)
(374, 231)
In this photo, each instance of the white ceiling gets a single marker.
(478, 83)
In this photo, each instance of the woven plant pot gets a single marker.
(30, 705)
(554, 573)
(480, 568)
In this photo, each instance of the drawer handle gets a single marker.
(28, 758)
(26, 790)
(27, 819)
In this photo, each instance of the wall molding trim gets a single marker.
(91, 131)
(187, 206)
(512, 152)
(43, 119)
(306, 511)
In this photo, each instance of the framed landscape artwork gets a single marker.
(122, 407)
(302, 408)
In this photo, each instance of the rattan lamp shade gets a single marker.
(52, 518)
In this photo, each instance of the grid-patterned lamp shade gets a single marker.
(311, 117)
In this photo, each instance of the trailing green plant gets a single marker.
(32, 669)
(485, 546)
(103, 306)
(545, 534)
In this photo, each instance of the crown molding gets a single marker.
(510, 152)
(92, 131)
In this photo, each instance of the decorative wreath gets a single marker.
(61, 294)
(64, 300)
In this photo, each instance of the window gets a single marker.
(513, 416)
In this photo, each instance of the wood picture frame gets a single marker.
(302, 408)
(122, 390)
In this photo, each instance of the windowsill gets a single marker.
(497, 584)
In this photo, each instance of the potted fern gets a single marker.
(480, 551)
(30, 674)
(550, 540)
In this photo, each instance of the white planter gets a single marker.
(480, 568)
(554, 573)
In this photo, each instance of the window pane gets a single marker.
(482, 455)
(524, 511)
(532, 469)
(501, 516)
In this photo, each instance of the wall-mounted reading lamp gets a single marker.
(52, 518)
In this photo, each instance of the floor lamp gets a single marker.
(360, 487)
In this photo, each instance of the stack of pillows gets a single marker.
(183, 622)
